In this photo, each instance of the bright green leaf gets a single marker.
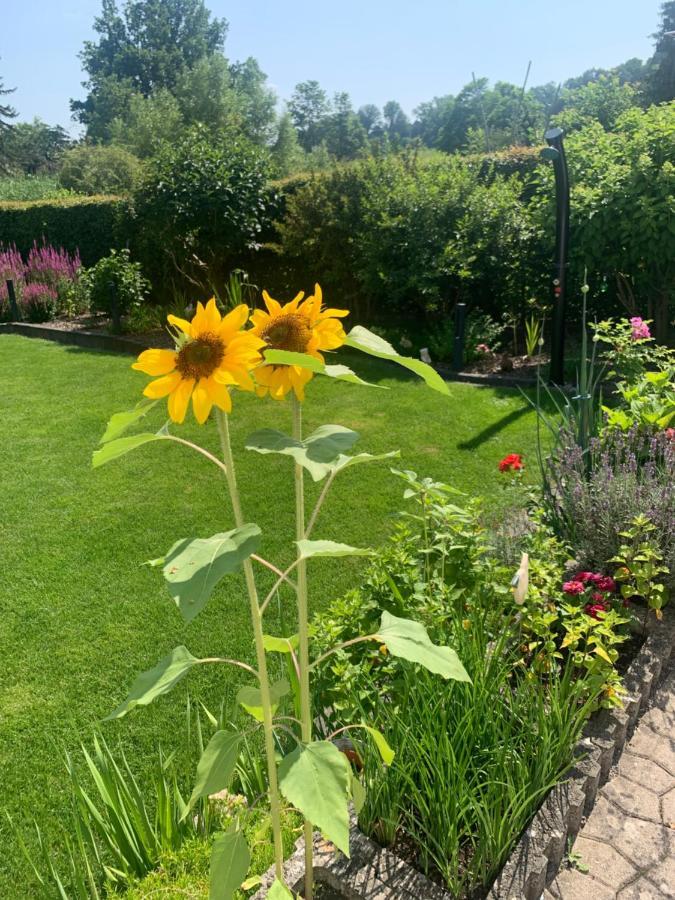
(119, 423)
(230, 859)
(305, 361)
(115, 449)
(345, 462)
(216, 766)
(274, 644)
(192, 568)
(316, 779)
(409, 640)
(250, 698)
(279, 891)
(155, 682)
(385, 750)
(362, 339)
(316, 453)
(309, 549)
(358, 794)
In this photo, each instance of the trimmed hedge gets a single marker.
(92, 225)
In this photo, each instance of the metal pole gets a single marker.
(114, 308)
(556, 153)
(11, 296)
(458, 345)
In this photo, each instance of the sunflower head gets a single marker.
(301, 326)
(212, 355)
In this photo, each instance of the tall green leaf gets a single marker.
(362, 339)
(279, 891)
(230, 859)
(216, 766)
(316, 779)
(305, 361)
(157, 681)
(310, 549)
(192, 568)
(250, 698)
(409, 640)
(121, 446)
(119, 422)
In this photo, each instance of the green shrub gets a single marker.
(90, 225)
(202, 203)
(32, 187)
(115, 285)
(95, 169)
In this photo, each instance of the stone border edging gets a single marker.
(536, 858)
(91, 340)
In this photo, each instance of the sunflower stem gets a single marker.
(303, 635)
(256, 619)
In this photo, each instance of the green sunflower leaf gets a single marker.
(121, 446)
(230, 860)
(310, 549)
(316, 453)
(216, 766)
(305, 361)
(119, 422)
(361, 339)
(250, 698)
(157, 681)
(192, 568)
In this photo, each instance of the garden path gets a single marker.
(628, 842)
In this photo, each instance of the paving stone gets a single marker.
(643, 843)
(604, 863)
(662, 721)
(641, 772)
(668, 808)
(574, 885)
(633, 799)
(663, 876)
(641, 890)
(651, 745)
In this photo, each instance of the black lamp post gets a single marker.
(556, 153)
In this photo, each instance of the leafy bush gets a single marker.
(115, 285)
(32, 187)
(88, 225)
(203, 202)
(482, 335)
(97, 169)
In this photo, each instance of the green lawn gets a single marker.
(80, 615)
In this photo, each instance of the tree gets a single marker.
(148, 123)
(147, 47)
(430, 119)
(6, 111)
(603, 100)
(309, 107)
(345, 135)
(287, 154)
(34, 147)
(205, 94)
(92, 169)
(257, 100)
(371, 119)
(395, 121)
(661, 77)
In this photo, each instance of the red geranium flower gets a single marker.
(595, 610)
(512, 462)
(574, 587)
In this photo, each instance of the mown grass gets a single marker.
(80, 615)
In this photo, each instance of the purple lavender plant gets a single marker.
(43, 282)
(51, 265)
(590, 499)
(39, 302)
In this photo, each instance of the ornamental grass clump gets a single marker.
(213, 358)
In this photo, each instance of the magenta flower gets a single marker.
(639, 329)
(595, 610)
(607, 584)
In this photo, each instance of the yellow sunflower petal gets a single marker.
(183, 324)
(179, 399)
(334, 313)
(233, 322)
(224, 376)
(260, 318)
(155, 362)
(161, 387)
(219, 394)
(272, 305)
(206, 319)
(201, 401)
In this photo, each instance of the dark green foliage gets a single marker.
(661, 74)
(115, 285)
(202, 203)
(92, 225)
(33, 147)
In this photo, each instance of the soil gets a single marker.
(101, 324)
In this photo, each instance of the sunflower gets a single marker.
(212, 354)
(301, 326)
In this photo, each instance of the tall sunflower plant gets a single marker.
(274, 352)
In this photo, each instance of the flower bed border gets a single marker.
(375, 873)
(536, 858)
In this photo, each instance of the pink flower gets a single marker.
(606, 584)
(483, 348)
(595, 610)
(639, 329)
(670, 434)
(586, 576)
(574, 587)
(597, 597)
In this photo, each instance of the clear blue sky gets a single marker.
(377, 50)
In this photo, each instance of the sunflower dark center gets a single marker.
(201, 357)
(291, 332)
